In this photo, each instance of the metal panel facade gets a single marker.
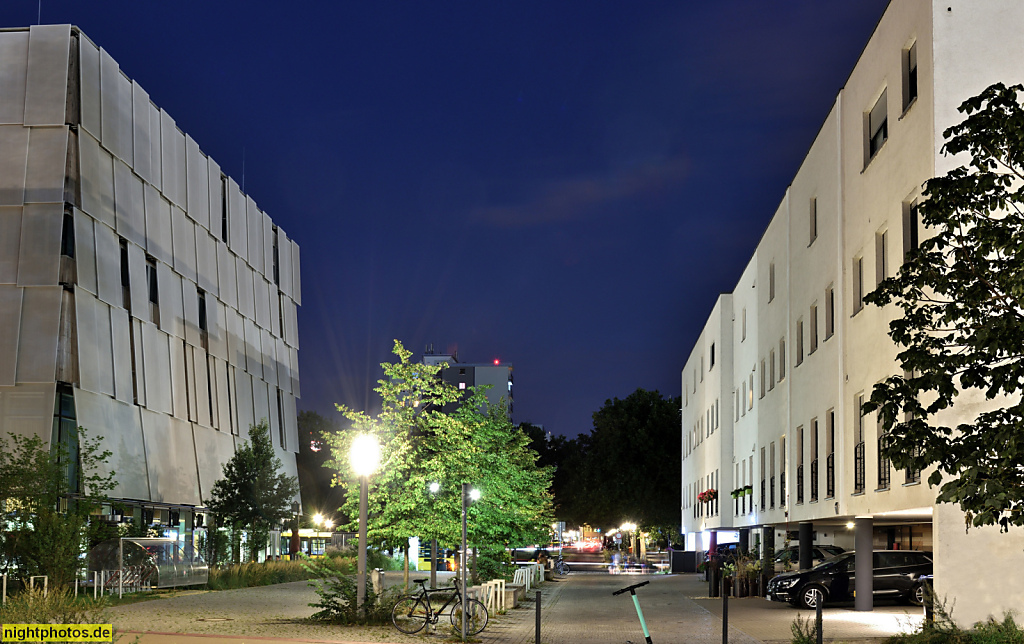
(213, 449)
(89, 79)
(97, 179)
(226, 281)
(172, 309)
(115, 109)
(206, 258)
(95, 354)
(254, 225)
(120, 339)
(119, 428)
(172, 147)
(39, 258)
(296, 275)
(108, 265)
(244, 275)
(10, 241)
(157, 368)
(46, 87)
(238, 239)
(13, 161)
(179, 393)
(85, 251)
(37, 340)
(129, 204)
(47, 154)
(197, 184)
(170, 459)
(142, 138)
(10, 325)
(183, 232)
(158, 225)
(13, 75)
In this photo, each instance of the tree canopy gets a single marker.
(628, 467)
(961, 297)
(254, 494)
(421, 444)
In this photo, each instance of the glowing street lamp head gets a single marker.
(328, 524)
(364, 455)
(434, 487)
(318, 518)
(474, 495)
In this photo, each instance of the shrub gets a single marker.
(337, 591)
(805, 631)
(259, 574)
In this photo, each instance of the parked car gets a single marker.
(897, 575)
(726, 552)
(791, 556)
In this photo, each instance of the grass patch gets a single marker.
(945, 631)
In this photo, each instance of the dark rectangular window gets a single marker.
(883, 462)
(814, 328)
(830, 448)
(858, 448)
(858, 284)
(910, 228)
(277, 268)
(224, 208)
(799, 342)
(782, 359)
(280, 421)
(771, 281)
(204, 334)
(67, 236)
(878, 126)
(126, 293)
(154, 291)
(813, 220)
(881, 256)
(909, 76)
(712, 356)
(830, 312)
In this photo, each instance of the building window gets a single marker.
(771, 475)
(204, 332)
(763, 471)
(277, 267)
(800, 464)
(910, 229)
(750, 392)
(877, 127)
(814, 459)
(858, 284)
(782, 359)
(712, 357)
(154, 291)
(814, 328)
(883, 462)
(830, 311)
(830, 448)
(813, 220)
(126, 291)
(858, 447)
(771, 281)
(771, 370)
(909, 76)
(224, 208)
(764, 378)
(67, 236)
(782, 472)
(799, 342)
(881, 252)
(280, 421)
(743, 325)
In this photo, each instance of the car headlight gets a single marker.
(785, 583)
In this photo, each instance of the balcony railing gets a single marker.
(883, 469)
(782, 489)
(814, 480)
(858, 467)
(799, 484)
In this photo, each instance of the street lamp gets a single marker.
(434, 487)
(467, 496)
(364, 456)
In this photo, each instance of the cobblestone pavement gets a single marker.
(578, 609)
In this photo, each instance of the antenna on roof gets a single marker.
(39, 18)
(243, 165)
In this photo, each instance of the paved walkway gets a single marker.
(578, 609)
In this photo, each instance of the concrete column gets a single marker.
(864, 576)
(745, 540)
(806, 543)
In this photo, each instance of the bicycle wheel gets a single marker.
(410, 614)
(476, 616)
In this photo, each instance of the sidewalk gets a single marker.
(577, 609)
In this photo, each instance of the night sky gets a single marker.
(564, 186)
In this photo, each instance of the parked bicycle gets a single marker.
(413, 612)
(561, 567)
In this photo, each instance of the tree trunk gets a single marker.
(405, 572)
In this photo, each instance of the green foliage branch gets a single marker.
(961, 298)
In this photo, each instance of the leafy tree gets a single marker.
(319, 494)
(48, 493)
(628, 467)
(961, 294)
(253, 495)
(421, 444)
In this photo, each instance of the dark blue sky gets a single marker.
(565, 186)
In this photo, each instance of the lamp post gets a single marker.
(296, 542)
(434, 487)
(364, 457)
(467, 496)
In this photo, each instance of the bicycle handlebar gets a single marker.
(630, 588)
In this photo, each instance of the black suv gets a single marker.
(897, 575)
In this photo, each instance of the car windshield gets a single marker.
(831, 551)
(843, 558)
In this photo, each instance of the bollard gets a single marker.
(817, 619)
(725, 610)
(3, 600)
(537, 637)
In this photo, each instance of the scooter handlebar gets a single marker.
(629, 588)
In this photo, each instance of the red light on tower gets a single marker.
(496, 362)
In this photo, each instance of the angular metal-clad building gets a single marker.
(143, 296)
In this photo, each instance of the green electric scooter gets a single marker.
(636, 602)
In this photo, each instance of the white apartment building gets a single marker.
(143, 296)
(772, 388)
